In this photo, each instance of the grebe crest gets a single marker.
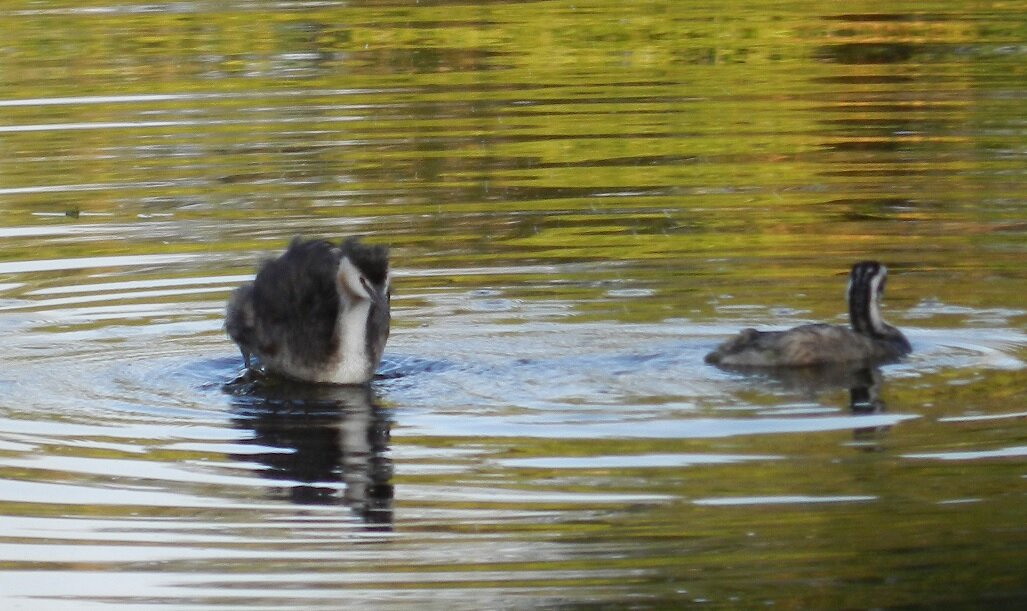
(317, 313)
(869, 339)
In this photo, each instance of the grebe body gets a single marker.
(869, 340)
(318, 313)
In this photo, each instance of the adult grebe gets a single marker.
(318, 313)
(870, 340)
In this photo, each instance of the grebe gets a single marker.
(318, 313)
(870, 340)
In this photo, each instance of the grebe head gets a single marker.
(364, 272)
(363, 285)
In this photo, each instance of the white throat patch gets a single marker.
(876, 322)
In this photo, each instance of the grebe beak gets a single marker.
(380, 295)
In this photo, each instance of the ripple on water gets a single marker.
(480, 426)
(1010, 452)
(556, 181)
(780, 500)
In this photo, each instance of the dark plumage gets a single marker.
(318, 313)
(869, 340)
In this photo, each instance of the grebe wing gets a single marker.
(804, 345)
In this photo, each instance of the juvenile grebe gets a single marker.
(870, 340)
(318, 313)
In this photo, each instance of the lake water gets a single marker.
(581, 200)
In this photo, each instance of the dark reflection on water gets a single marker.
(863, 384)
(871, 53)
(311, 437)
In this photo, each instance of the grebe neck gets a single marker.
(353, 362)
(866, 283)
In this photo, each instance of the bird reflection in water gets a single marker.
(863, 384)
(315, 437)
(865, 398)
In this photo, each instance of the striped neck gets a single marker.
(866, 284)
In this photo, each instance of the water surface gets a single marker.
(581, 199)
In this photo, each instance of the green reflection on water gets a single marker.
(636, 162)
